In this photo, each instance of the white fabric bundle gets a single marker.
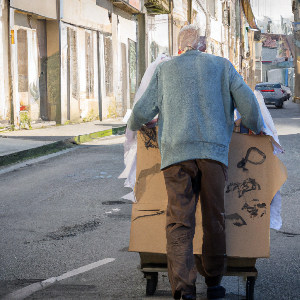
(275, 208)
(130, 145)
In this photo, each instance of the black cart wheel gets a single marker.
(250, 288)
(152, 279)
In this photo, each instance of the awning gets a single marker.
(249, 14)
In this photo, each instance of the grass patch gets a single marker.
(96, 135)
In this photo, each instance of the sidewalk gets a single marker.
(47, 138)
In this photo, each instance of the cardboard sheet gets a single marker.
(255, 174)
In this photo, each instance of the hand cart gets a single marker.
(153, 263)
(148, 214)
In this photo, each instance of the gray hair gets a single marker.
(189, 38)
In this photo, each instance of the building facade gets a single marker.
(78, 60)
(70, 60)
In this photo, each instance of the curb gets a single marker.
(58, 146)
(99, 134)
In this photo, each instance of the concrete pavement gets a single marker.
(47, 138)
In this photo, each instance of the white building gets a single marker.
(274, 16)
(72, 59)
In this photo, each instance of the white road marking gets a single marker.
(31, 289)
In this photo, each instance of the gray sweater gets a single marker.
(195, 94)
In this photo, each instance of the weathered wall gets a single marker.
(114, 28)
(107, 75)
(79, 74)
(29, 67)
(158, 37)
(87, 13)
(63, 72)
(4, 84)
(276, 75)
(126, 31)
(42, 8)
(22, 44)
(42, 55)
(284, 76)
(73, 109)
(33, 75)
(53, 71)
(92, 36)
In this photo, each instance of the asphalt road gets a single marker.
(65, 212)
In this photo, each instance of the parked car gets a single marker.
(287, 90)
(273, 93)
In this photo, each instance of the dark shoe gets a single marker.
(213, 281)
(216, 292)
(177, 295)
(188, 297)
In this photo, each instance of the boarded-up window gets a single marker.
(42, 50)
(124, 79)
(22, 60)
(210, 5)
(73, 62)
(74, 65)
(108, 56)
(132, 70)
(89, 65)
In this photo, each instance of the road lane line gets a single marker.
(32, 288)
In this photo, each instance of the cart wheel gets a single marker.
(152, 279)
(250, 288)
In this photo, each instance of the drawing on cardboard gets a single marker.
(247, 185)
(243, 162)
(257, 210)
(236, 217)
(149, 137)
(156, 212)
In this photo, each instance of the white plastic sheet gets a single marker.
(275, 208)
(130, 145)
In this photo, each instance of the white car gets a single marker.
(273, 93)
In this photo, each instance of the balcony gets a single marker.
(157, 7)
(130, 6)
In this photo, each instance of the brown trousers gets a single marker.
(185, 181)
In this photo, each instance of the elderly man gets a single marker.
(194, 95)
